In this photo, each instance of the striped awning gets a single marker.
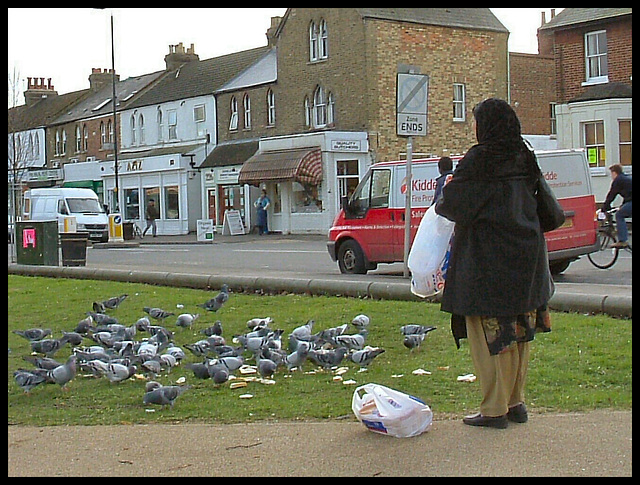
(301, 165)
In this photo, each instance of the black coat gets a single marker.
(499, 263)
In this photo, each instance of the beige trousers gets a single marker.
(502, 377)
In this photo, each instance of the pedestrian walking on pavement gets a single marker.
(263, 204)
(498, 283)
(151, 214)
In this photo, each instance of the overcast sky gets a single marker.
(65, 44)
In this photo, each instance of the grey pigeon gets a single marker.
(84, 325)
(365, 356)
(232, 363)
(414, 341)
(416, 330)
(120, 372)
(200, 370)
(45, 363)
(215, 329)
(328, 358)
(361, 321)
(63, 374)
(110, 304)
(176, 352)
(297, 358)
(219, 375)
(164, 396)
(151, 385)
(157, 313)
(33, 334)
(102, 318)
(151, 367)
(256, 323)
(353, 342)
(27, 380)
(186, 320)
(303, 332)
(73, 338)
(167, 361)
(97, 367)
(267, 367)
(215, 304)
(48, 347)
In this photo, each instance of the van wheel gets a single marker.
(351, 258)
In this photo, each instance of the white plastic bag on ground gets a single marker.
(429, 256)
(386, 411)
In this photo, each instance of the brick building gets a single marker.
(592, 48)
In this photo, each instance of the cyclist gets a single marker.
(621, 186)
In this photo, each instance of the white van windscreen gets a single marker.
(84, 206)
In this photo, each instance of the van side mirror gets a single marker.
(344, 203)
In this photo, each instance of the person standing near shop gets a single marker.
(151, 213)
(498, 284)
(263, 204)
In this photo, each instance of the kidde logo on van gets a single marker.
(418, 185)
(550, 176)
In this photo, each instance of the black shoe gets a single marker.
(518, 414)
(500, 422)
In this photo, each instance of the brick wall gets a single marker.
(570, 56)
(533, 91)
(94, 148)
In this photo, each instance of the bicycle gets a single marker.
(137, 232)
(607, 255)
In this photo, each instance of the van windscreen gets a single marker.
(84, 206)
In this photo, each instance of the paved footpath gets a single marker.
(595, 444)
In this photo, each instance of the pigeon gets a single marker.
(256, 323)
(143, 324)
(167, 361)
(215, 329)
(365, 356)
(232, 363)
(200, 348)
(110, 304)
(328, 358)
(151, 367)
(220, 376)
(414, 341)
(186, 320)
(328, 335)
(120, 372)
(215, 304)
(297, 358)
(303, 332)
(34, 334)
(48, 347)
(352, 342)
(416, 330)
(176, 352)
(164, 396)
(200, 370)
(84, 325)
(151, 385)
(73, 338)
(361, 321)
(64, 373)
(97, 367)
(102, 318)
(42, 362)
(27, 380)
(157, 313)
(266, 368)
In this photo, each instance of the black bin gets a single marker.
(127, 231)
(74, 248)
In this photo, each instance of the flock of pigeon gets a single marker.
(117, 356)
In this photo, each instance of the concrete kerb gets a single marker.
(616, 306)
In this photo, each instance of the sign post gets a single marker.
(412, 120)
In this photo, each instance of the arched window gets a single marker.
(313, 42)
(85, 136)
(271, 108)
(319, 108)
(331, 109)
(133, 129)
(246, 104)
(58, 144)
(78, 139)
(110, 131)
(64, 141)
(233, 117)
(141, 129)
(103, 135)
(159, 122)
(323, 41)
(307, 112)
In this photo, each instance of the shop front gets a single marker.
(166, 177)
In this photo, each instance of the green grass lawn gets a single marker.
(584, 364)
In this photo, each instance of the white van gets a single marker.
(370, 228)
(58, 203)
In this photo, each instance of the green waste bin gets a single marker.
(74, 248)
(37, 243)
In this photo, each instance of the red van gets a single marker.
(370, 229)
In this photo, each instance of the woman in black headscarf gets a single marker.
(498, 283)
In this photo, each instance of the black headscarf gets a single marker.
(501, 150)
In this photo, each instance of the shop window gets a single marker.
(152, 193)
(131, 204)
(171, 202)
(306, 199)
(625, 141)
(594, 143)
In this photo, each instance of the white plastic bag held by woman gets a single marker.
(429, 256)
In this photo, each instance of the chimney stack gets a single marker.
(37, 90)
(271, 32)
(178, 56)
(100, 79)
